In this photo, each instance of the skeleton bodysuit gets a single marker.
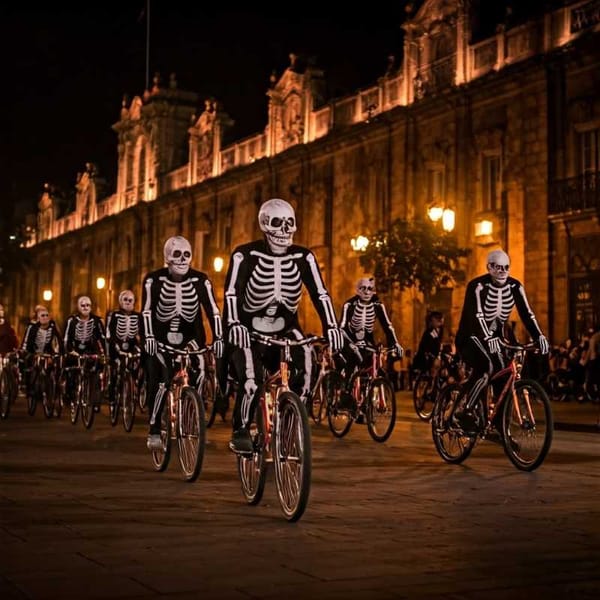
(122, 331)
(42, 341)
(358, 321)
(84, 336)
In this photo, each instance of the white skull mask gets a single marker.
(365, 288)
(178, 255)
(498, 265)
(277, 220)
(126, 301)
(84, 306)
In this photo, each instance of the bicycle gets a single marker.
(127, 389)
(317, 399)
(85, 388)
(10, 380)
(523, 407)
(372, 398)
(446, 368)
(210, 390)
(43, 384)
(281, 435)
(182, 419)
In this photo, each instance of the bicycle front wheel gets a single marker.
(423, 396)
(128, 401)
(318, 402)
(161, 457)
(381, 409)
(88, 393)
(32, 394)
(252, 468)
(208, 394)
(449, 440)
(292, 455)
(527, 425)
(4, 394)
(340, 418)
(47, 387)
(191, 433)
(75, 396)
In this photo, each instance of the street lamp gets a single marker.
(447, 215)
(100, 283)
(47, 295)
(359, 243)
(218, 264)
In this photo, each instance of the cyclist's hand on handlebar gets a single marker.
(150, 346)
(542, 342)
(356, 351)
(399, 350)
(494, 345)
(335, 339)
(239, 336)
(217, 347)
(250, 388)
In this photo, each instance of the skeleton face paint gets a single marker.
(43, 316)
(498, 265)
(178, 255)
(84, 306)
(277, 221)
(126, 300)
(365, 288)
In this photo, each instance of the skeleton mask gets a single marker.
(178, 255)
(277, 220)
(126, 300)
(365, 288)
(42, 315)
(498, 265)
(84, 306)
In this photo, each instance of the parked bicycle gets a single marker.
(446, 368)
(10, 380)
(183, 418)
(370, 398)
(520, 412)
(280, 435)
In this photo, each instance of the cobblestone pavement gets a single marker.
(83, 515)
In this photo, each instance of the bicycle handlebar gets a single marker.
(283, 342)
(184, 351)
(530, 347)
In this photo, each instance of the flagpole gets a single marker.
(147, 44)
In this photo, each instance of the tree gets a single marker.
(414, 254)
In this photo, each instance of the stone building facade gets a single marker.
(505, 132)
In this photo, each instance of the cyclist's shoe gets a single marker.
(241, 442)
(467, 421)
(154, 442)
(346, 401)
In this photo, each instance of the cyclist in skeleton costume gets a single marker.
(122, 334)
(489, 300)
(84, 334)
(172, 301)
(41, 337)
(359, 315)
(263, 288)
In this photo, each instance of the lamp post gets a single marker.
(47, 295)
(359, 243)
(447, 215)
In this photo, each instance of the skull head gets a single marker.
(42, 315)
(498, 265)
(277, 220)
(84, 306)
(365, 288)
(126, 300)
(178, 255)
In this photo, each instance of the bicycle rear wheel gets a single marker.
(5, 396)
(252, 468)
(161, 457)
(381, 409)
(88, 396)
(191, 434)
(292, 455)
(450, 441)
(128, 401)
(340, 419)
(208, 393)
(527, 440)
(424, 396)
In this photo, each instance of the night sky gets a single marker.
(66, 70)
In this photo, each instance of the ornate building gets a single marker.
(504, 132)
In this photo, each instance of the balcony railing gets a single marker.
(575, 194)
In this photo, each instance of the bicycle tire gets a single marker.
(423, 396)
(318, 404)
(76, 390)
(381, 407)
(292, 455)
(340, 420)
(114, 406)
(47, 387)
(128, 400)
(252, 469)
(161, 458)
(5, 396)
(191, 433)
(32, 394)
(88, 398)
(450, 442)
(58, 397)
(527, 444)
(142, 397)
(208, 393)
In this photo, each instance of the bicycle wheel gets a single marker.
(318, 404)
(141, 394)
(76, 391)
(4, 394)
(33, 392)
(292, 455)
(88, 398)
(424, 396)
(527, 440)
(58, 397)
(450, 441)
(252, 469)
(381, 409)
(161, 457)
(191, 433)
(340, 419)
(46, 387)
(128, 401)
(114, 406)
(208, 394)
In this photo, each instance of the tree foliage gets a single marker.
(414, 254)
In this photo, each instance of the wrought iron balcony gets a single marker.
(576, 194)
